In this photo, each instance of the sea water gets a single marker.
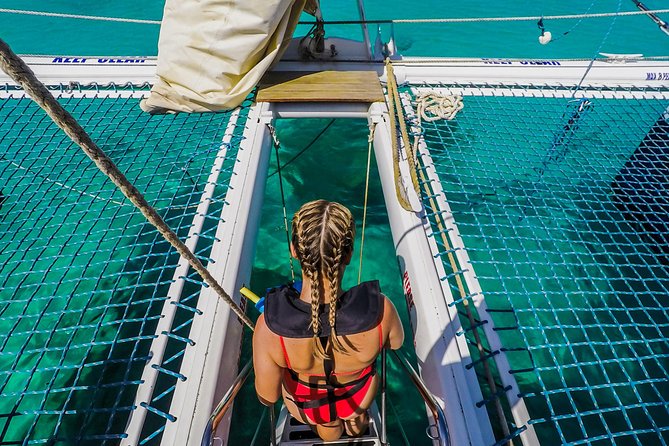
(330, 156)
(574, 38)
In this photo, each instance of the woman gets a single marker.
(318, 347)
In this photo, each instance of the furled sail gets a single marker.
(212, 53)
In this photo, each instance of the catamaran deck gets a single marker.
(321, 86)
(521, 218)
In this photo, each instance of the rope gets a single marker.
(396, 114)
(461, 287)
(79, 16)
(358, 22)
(532, 18)
(592, 61)
(493, 19)
(23, 76)
(574, 26)
(370, 141)
(433, 106)
(277, 144)
(307, 147)
(659, 22)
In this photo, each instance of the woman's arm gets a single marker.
(267, 371)
(393, 325)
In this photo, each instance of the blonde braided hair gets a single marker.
(323, 234)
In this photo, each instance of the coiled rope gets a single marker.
(432, 107)
(14, 66)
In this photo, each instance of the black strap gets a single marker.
(328, 366)
(324, 386)
(332, 399)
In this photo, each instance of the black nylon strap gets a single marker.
(311, 385)
(332, 399)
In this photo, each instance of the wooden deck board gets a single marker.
(321, 86)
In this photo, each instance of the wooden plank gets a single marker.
(321, 86)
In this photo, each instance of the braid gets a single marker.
(305, 233)
(332, 272)
(323, 234)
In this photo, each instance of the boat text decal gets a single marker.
(520, 62)
(103, 60)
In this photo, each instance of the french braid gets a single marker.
(323, 234)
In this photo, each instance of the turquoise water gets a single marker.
(84, 276)
(582, 290)
(636, 34)
(304, 180)
(344, 141)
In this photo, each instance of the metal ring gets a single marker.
(429, 433)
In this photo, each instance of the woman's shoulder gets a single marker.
(392, 325)
(265, 341)
(262, 331)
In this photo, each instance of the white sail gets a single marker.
(212, 53)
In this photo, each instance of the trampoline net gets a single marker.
(563, 207)
(83, 276)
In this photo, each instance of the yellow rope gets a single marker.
(370, 141)
(396, 114)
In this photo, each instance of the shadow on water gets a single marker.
(601, 349)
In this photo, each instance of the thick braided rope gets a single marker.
(23, 76)
(395, 114)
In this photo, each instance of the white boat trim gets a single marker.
(157, 350)
(85, 70)
(549, 72)
(320, 110)
(212, 363)
(519, 410)
(441, 353)
(642, 73)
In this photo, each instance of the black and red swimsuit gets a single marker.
(359, 309)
